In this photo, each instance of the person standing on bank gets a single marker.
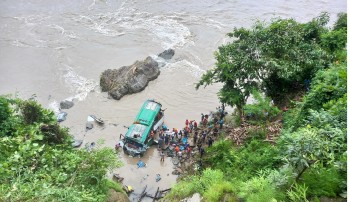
(162, 156)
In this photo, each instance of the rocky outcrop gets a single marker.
(196, 197)
(114, 196)
(167, 54)
(130, 79)
(66, 104)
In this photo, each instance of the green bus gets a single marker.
(140, 134)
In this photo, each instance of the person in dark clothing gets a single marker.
(166, 139)
(204, 134)
(215, 132)
(199, 144)
(215, 120)
(210, 142)
(186, 133)
(202, 151)
(221, 123)
(195, 137)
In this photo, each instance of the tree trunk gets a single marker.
(300, 173)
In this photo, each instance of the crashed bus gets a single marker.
(140, 135)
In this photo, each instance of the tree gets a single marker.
(275, 59)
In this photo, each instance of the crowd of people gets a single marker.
(193, 136)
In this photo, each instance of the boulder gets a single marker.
(167, 54)
(196, 197)
(114, 196)
(131, 79)
(66, 104)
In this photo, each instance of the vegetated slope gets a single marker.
(307, 159)
(38, 163)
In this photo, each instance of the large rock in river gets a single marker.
(167, 54)
(66, 104)
(129, 79)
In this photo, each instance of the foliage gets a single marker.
(322, 181)
(218, 190)
(244, 162)
(256, 133)
(261, 110)
(282, 178)
(315, 133)
(328, 91)
(274, 58)
(341, 22)
(309, 146)
(298, 193)
(33, 112)
(211, 185)
(259, 189)
(314, 137)
(7, 122)
(38, 162)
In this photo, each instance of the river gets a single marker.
(57, 49)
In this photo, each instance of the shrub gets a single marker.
(212, 185)
(259, 189)
(258, 133)
(298, 193)
(261, 111)
(216, 192)
(322, 181)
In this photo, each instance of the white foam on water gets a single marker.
(32, 20)
(79, 85)
(63, 32)
(185, 66)
(91, 6)
(19, 43)
(102, 23)
(166, 29)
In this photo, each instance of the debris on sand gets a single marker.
(98, 120)
(77, 143)
(62, 116)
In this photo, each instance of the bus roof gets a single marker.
(143, 123)
(148, 112)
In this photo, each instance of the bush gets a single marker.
(298, 193)
(261, 111)
(216, 192)
(241, 163)
(259, 189)
(258, 134)
(212, 185)
(327, 89)
(322, 181)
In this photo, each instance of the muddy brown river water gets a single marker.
(58, 49)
